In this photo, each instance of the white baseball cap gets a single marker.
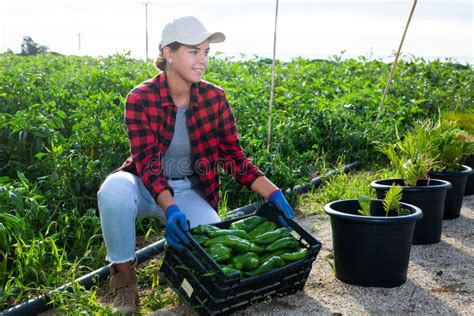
(188, 31)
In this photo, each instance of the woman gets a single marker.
(181, 131)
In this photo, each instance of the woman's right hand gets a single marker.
(176, 224)
(282, 204)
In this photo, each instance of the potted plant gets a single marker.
(450, 149)
(465, 121)
(410, 157)
(470, 180)
(372, 239)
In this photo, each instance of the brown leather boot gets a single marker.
(124, 290)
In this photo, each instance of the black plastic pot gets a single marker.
(453, 203)
(371, 250)
(429, 196)
(470, 180)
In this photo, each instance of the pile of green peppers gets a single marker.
(250, 246)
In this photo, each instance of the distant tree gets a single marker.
(30, 47)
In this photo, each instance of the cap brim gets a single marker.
(216, 37)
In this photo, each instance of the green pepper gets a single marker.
(219, 252)
(246, 261)
(200, 239)
(224, 232)
(293, 256)
(274, 261)
(204, 229)
(233, 242)
(229, 270)
(256, 248)
(285, 242)
(271, 254)
(269, 237)
(266, 226)
(248, 223)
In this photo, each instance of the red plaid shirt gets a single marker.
(150, 116)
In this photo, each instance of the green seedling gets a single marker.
(391, 202)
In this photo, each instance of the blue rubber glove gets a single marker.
(282, 204)
(175, 225)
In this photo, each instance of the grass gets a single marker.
(154, 295)
(341, 186)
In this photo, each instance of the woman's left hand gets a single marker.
(282, 204)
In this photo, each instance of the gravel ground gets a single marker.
(440, 279)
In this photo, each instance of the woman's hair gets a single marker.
(160, 61)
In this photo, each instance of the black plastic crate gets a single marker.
(202, 285)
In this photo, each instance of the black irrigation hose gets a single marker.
(299, 189)
(40, 304)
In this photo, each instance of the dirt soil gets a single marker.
(440, 279)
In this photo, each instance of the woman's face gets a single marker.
(190, 62)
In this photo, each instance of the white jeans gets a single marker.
(122, 197)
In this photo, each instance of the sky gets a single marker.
(310, 29)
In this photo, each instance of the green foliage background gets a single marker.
(62, 132)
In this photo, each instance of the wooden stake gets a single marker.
(270, 106)
(395, 62)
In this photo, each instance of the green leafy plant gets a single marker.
(364, 202)
(392, 199)
(464, 121)
(451, 146)
(410, 155)
(390, 203)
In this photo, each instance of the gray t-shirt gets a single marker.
(177, 161)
